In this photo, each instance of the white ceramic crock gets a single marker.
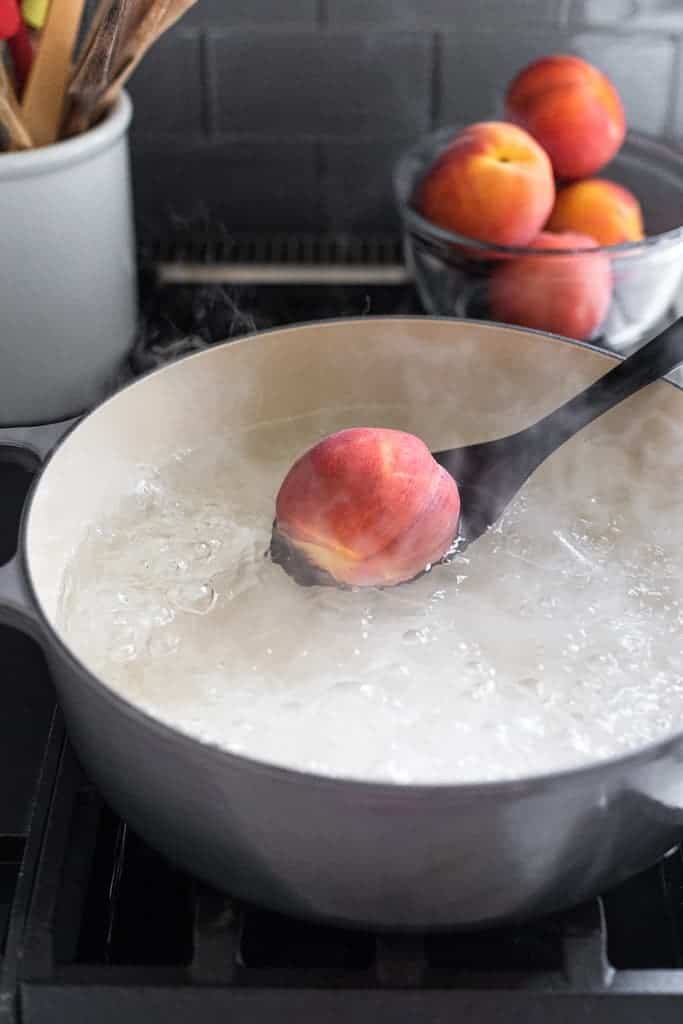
(68, 300)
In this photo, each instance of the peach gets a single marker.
(566, 294)
(369, 506)
(492, 183)
(572, 109)
(607, 212)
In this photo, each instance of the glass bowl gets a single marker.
(453, 273)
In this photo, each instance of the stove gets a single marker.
(95, 926)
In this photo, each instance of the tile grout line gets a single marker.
(565, 19)
(435, 80)
(207, 86)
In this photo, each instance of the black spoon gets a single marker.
(490, 474)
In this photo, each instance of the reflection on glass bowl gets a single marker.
(453, 273)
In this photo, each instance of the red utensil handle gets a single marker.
(21, 49)
(10, 18)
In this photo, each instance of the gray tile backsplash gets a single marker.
(297, 84)
(437, 13)
(472, 79)
(167, 87)
(179, 182)
(254, 13)
(356, 183)
(641, 67)
(655, 15)
(290, 113)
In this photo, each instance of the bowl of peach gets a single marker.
(553, 217)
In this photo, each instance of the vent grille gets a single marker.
(286, 258)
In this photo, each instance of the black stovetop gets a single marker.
(97, 927)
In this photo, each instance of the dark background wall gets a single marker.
(275, 114)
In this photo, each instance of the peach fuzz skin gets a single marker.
(607, 212)
(572, 110)
(493, 183)
(567, 295)
(369, 506)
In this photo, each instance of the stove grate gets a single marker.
(112, 927)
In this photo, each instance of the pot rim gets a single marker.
(30, 163)
(363, 788)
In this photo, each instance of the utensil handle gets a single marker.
(17, 607)
(43, 97)
(651, 362)
(38, 441)
(21, 49)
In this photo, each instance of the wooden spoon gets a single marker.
(490, 474)
(95, 66)
(43, 98)
(158, 18)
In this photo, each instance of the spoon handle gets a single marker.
(652, 361)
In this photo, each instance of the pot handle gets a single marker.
(33, 445)
(36, 441)
(662, 791)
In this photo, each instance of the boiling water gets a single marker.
(553, 641)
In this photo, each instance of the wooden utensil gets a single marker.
(159, 17)
(96, 65)
(43, 99)
(94, 28)
(10, 117)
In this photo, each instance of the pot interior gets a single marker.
(451, 382)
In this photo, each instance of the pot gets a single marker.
(362, 853)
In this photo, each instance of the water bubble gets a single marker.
(291, 705)
(528, 683)
(193, 597)
(163, 615)
(179, 565)
(204, 550)
(413, 637)
(163, 643)
(124, 644)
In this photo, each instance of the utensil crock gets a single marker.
(68, 297)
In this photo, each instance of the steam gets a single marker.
(183, 319)
(552, 641)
